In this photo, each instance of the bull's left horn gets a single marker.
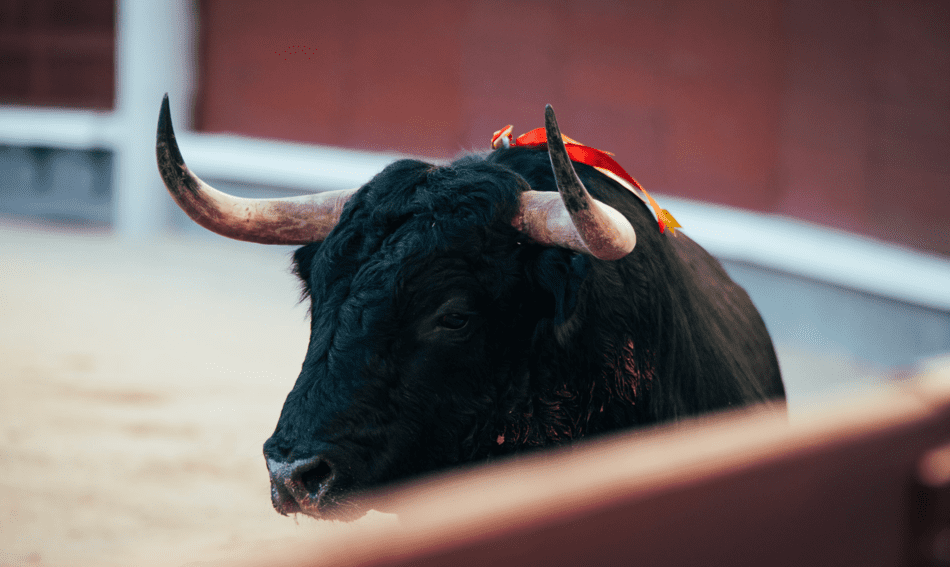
(290, 220)
(588, 226)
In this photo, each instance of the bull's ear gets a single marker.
(559, 273)
(302, 266)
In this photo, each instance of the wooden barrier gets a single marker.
(863, 482)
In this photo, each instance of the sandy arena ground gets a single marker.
(137, 385)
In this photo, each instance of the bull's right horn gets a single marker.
(289, 220)
(572, 219)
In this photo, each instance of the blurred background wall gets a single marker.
(805, 143)
(832, 112)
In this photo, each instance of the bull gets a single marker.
(464, 312)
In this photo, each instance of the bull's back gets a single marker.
(731, 312)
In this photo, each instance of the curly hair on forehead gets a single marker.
(432, 206)
(465, 193)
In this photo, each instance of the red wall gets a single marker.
(833, 112)
(57, 53)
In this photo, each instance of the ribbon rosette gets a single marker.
(598, 159)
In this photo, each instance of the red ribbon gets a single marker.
(582, 154)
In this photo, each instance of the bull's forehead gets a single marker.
(405, 217)
(424, 206)
(352, 323)
(351, 293)
(383, 243)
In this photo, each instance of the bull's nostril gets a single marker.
(317, 477)
(303, 485)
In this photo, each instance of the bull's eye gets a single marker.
(453, 321)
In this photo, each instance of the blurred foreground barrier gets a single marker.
(863, 482)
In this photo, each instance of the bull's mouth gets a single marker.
(282, 500)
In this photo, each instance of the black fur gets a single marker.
(556, 346)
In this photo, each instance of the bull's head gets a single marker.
(427, 286)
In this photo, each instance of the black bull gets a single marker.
(445, 330)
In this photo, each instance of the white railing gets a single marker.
(801, 248)
(769, 241)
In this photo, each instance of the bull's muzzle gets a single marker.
(304, 486)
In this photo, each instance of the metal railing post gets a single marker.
(155, 53)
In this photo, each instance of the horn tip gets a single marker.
(550, 123)
(166, 148)
(164, 117)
